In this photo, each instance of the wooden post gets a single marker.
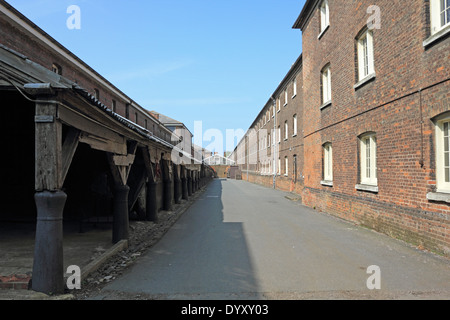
(189, 182)
(48, 273)
(120, 168)
(177, 184)
(184, 183)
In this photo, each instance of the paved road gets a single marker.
(243, 241)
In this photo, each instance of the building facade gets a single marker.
(375, 115)
(271, 151)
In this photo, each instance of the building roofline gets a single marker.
(305, 14)
(286, 80)
(57, 47)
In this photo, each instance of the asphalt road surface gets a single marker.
(244, 241)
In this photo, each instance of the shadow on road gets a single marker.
(201, 257)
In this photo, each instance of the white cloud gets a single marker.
(149, 72)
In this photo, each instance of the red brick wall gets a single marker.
(390, 106)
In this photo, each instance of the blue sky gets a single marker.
(215, 61)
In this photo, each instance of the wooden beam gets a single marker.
(146, 154)
(116, 171)
(95, 134)
(68, 151)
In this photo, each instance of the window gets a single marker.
(324, 16)
(327, 162)
(443, 155)
(326, 85)
(279, 104)
(295, 125)
(136, 117)
(279, 166)
(440, 15)
(295, 168)
(114, 106)
(127, 111)
(56, 68)
(286, 166)
(294, 88)
(97, 94)
(286, 129)
(368, 159)
(273, 111)
(268, 141)
(279, 134)
(285, 97)
(365, 55)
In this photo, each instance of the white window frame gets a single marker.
(324, 16)
(368, 159)
(295, 125)
(328, 162)
(437, 12)
(286, 166)
(279, 104)
(294, 88)
(326, 84)
(366, 65)
(279, 134)
(286, 130)
(443, 152)
(285, 98)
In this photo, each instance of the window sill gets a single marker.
(294, 135)
(327, 183)
(326, 104)
(438, 196)
(323, 32)
(284, 105)
(367, 187)
(363, 81)
(438, 35)
(293, 96)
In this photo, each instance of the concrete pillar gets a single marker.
(151, 203)
(48, 268)
(120, 213)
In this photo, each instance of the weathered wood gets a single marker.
(123, 160)
(146, 154)
(68, 151)
(95, 134)
(118, 172)
(48, 149)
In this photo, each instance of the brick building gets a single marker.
(376, 114)
(273, 146)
